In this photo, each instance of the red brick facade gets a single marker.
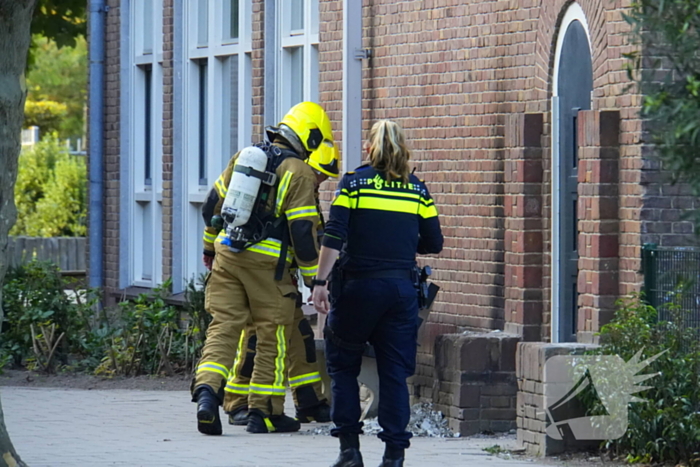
(112, 127)
(471, 82)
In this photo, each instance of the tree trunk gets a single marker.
(15, 36)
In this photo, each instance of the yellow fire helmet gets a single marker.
(313, 127)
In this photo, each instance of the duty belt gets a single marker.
(380, 274)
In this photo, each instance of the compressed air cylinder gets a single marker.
(243, 189)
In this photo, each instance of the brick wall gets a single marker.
(167, 206)
(599, 223)
(664, 205)
(112, 128)
(523, 226)
(258, 58)
(452, 73)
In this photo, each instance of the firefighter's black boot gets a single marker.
(258, 422)
(321, 413)
(350, 455)
(393, 457)
(208, 421)
(239, 416)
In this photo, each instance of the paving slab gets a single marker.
(100, 428)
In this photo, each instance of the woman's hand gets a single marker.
(320, 299)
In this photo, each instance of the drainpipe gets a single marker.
(97, 10)
(352, 84)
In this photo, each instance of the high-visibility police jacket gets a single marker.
(383, 224)
(294, 198)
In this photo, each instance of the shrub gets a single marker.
(63, 209)
(665, 426)
(47, 115)
(34, 167)
(58, 75)
(34, 297)
(198, 320)
(51, 192)
(152, 339)
(146, 336)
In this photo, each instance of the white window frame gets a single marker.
(143, 201)
(308, 40)
(215, 51)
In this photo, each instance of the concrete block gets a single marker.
(530, 412)
(509, 344)
(503, 377)
(475, 354)
(534, 400)
(526, 436)
(468, 395)
(498, 414)
(501, 402)
(499, 390)
(464, 428)
(501, 426)
(529, 386)
(536, 426)
(465, 414)
(539, 388)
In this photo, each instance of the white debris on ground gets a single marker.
(424, 422)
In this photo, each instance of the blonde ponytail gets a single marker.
(388, 152)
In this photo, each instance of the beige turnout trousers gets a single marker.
(304, 377)
(235, 296)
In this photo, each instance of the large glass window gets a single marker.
(217, 97)
(298, 60)
(202, 16)
(230, 107)
(143, 120)
(148, 124)
(231, 19)
(202, 107)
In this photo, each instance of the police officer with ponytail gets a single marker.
(381, 218)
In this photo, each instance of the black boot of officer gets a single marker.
(393, 457)
(350, 455)
(208, 421)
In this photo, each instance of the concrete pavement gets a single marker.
(99, 428)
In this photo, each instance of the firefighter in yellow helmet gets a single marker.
(250, 279)
(304, 377)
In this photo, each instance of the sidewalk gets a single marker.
(79, 428)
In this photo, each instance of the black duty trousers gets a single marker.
(383, 312)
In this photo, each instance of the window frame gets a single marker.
(307, 39)
(141, 243)
(216, 52)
